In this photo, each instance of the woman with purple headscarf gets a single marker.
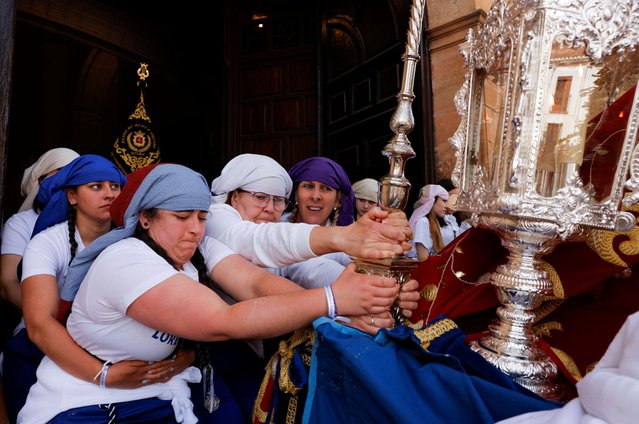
(322, 193)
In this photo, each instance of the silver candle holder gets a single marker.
(394, 186)
(546, 140)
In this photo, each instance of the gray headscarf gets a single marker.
(162, 186)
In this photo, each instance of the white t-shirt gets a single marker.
(98, 322)
(421, 234)
(49, 252)
(16, 232)
(269, 245)
(264, 241)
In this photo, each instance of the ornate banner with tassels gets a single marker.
(136, 147)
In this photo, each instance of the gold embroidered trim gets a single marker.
(546, 308)
(430, 333)
(557, 287)
(285, 353)
(292, 410)
(544, 329)
(601, 241)
(258, 413)
(568, 363)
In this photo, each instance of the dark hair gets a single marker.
(72, 216)
(447, 183)
(197, 260)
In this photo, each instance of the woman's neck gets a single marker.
(90, 229)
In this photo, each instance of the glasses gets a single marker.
(262, 199)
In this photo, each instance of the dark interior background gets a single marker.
(283, 78)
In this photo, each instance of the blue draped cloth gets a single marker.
(390, 378)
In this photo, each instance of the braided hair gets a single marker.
(72, 215)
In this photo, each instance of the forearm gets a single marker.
(10, 289)
(271, 316)
(11, 292)
(55, 342)
(255, 282)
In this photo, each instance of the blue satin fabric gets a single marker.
(390, 378)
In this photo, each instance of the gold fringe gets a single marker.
(557, 287)
(544, 329)
(568, 362)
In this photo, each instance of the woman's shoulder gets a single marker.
(58, 233)
(22, 219)
(221, 217)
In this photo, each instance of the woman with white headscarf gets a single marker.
(249, 196)
(274, 245)
(432, 226)
(141, 287)
(16, 232)
(366, 194)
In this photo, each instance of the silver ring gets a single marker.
(372, 321)
(145, 381)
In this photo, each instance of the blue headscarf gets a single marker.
(331, 173)
(83, 169)
(166, 186)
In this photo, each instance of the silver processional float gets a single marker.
(545, 151)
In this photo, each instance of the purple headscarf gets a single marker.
(333, 175)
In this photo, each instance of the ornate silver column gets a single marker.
(548, 130)
(394, 187)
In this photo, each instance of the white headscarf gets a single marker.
(50, 161)
(250, 172)
(426, 200)
(367, 189)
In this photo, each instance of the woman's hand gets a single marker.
(371, 323)
(377, 235)
(361, 294)
(135, 373)
(408, 297)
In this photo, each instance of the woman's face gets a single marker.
(253, 207)
(363, 205)
(439, 207)
(93, 200)
(177, 232)
(315, 202)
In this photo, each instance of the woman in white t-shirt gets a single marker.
(255, 189)
(140, 293)
(433, 227)
(250, 195)
(16, 232)
(75, 210)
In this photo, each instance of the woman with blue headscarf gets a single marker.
(76, 205)
(74, 211)
(141, 293)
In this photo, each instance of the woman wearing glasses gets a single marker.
(249, 198)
